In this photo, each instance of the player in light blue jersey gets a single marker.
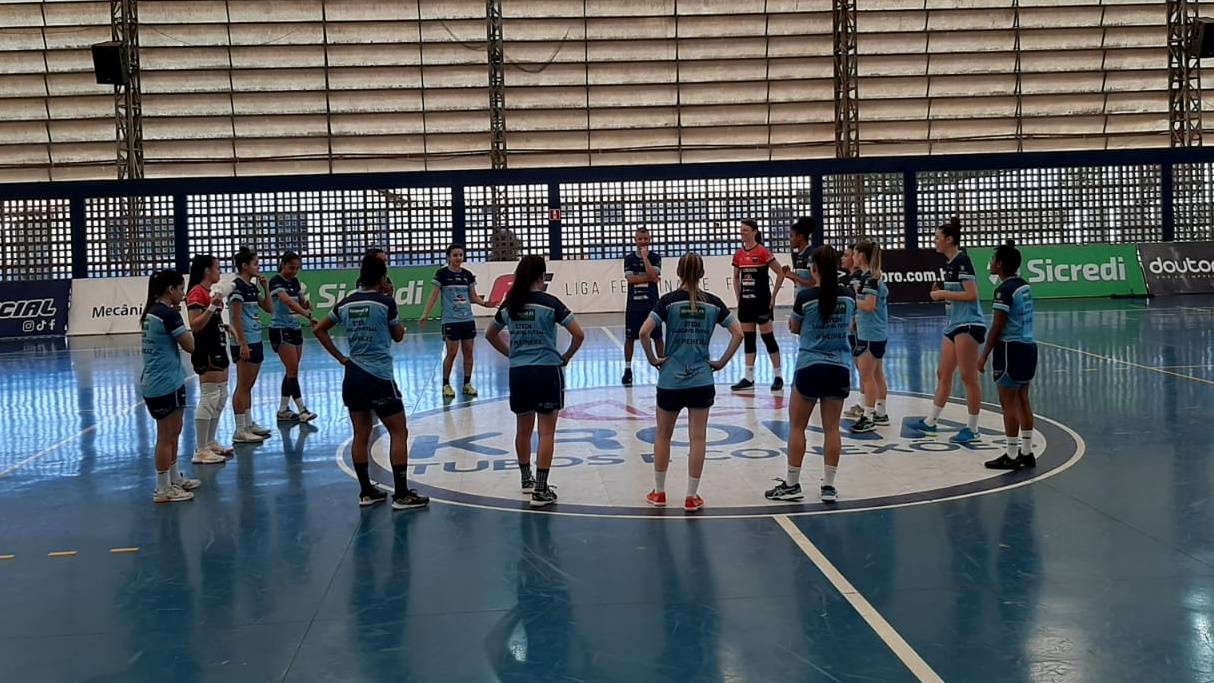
(685, 372)
(162, 383)
(249, 297)
(1014, 348)
(537, 377)
(286, 335)
(369, 386)
(820, 318)
(456, 286)
(872, 322)
(963, 335)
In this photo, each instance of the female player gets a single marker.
(204, 305)
(286, 335)
(685, 374)
(163, 381)
(371, 322)
(872, 317)
(248, 299)
(1015, 350)
(965, 332)
(820, 317)
(457, 287)
(756, 302)
(801, 239)
(537, 377)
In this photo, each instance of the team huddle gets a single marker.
(839, 316)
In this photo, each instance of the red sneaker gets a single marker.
(693, 503)
(656, 499)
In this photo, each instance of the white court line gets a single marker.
(611, 335)
(50, 449)
(1128, 363)
(884, 631)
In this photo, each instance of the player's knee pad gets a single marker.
(749, 343)
(220, 398)
(769, 340)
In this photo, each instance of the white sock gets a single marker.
(242, 422)
(1011, 445)
(777, 372)
(628, 365)
(220, 399)
(1026, 442)
(750, 372)
(794, 476)
(659, 481)
(299, 403)
(880, 407)
(933, 415)
(284, 403)
(972, 423)
(212, 430)
(174, 473)
(162, 481)
(828, 474)
(202, 433)
(870, 412)
(693, 485)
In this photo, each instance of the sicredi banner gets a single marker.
(109, 305)
(34, 309)
(1059, 272)
(1178, 267)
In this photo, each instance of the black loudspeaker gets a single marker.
(109, 63)
(1203, 42)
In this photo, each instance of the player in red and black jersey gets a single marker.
(756, 301)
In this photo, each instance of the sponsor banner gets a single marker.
(1059, 272)
(34, 309)
(107, 305)
(910, 273)
(1178, 267)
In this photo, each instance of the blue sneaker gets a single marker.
(966, 435)
(921, 426)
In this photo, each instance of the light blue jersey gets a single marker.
(368, 317)
(456, 288)
(1015, 298)
(162, 371)
(283, 318)
(823, 342)
(533, 332)
(250, 309)
(873, 326)
(688, 334)
(961, 313)
(801, 267)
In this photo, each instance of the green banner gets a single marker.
(1059, 272)
(324, 288)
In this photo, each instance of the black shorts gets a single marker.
(257, 353)
(756, 311)
(537, 389)
(823, 381)
(693, 398)
(876, 348)
(978, 332)
(459, 331)
(363, 392)
(161, 407)
(1014, 364)
(287, 336)
(214, 359)
(851, 341)
(634, 318)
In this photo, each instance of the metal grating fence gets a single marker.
(129, 236)
(35, 239)
(521, 212)
(1193, 201)
(871, 206)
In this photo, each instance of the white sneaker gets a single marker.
(187, 484)
(207, 456)
(225, 452)
(173, 494)
(259, 430)
(306, 415)
(855, 412)
(248, 437)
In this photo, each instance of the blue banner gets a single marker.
(34, 309)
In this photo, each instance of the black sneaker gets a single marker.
(1027, 460)
(863, 426)
(881, 420)
(783, 491)
(828, 494)
(543, 498)
(742, 385)
(528, 484)
(369, 498)
(777, 384)
(1005, 463)
(409, 500)
(627, 380)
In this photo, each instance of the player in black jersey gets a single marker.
(643, 270)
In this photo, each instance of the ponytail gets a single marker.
(199, 267)
(530, 269)
(952, 230)
(826, 260)
(872, 254)
(159, 283)
(691, 271)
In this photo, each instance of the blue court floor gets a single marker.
(1101, 571)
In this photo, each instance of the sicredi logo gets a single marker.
(329, 295)
(1186, 266)
(1045, 270)
(604, 456)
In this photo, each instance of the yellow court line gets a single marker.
(62, 553)
(8, 557)
(124, 550)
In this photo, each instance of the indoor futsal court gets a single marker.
(1098, 567)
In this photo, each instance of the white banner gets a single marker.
(109, 305)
